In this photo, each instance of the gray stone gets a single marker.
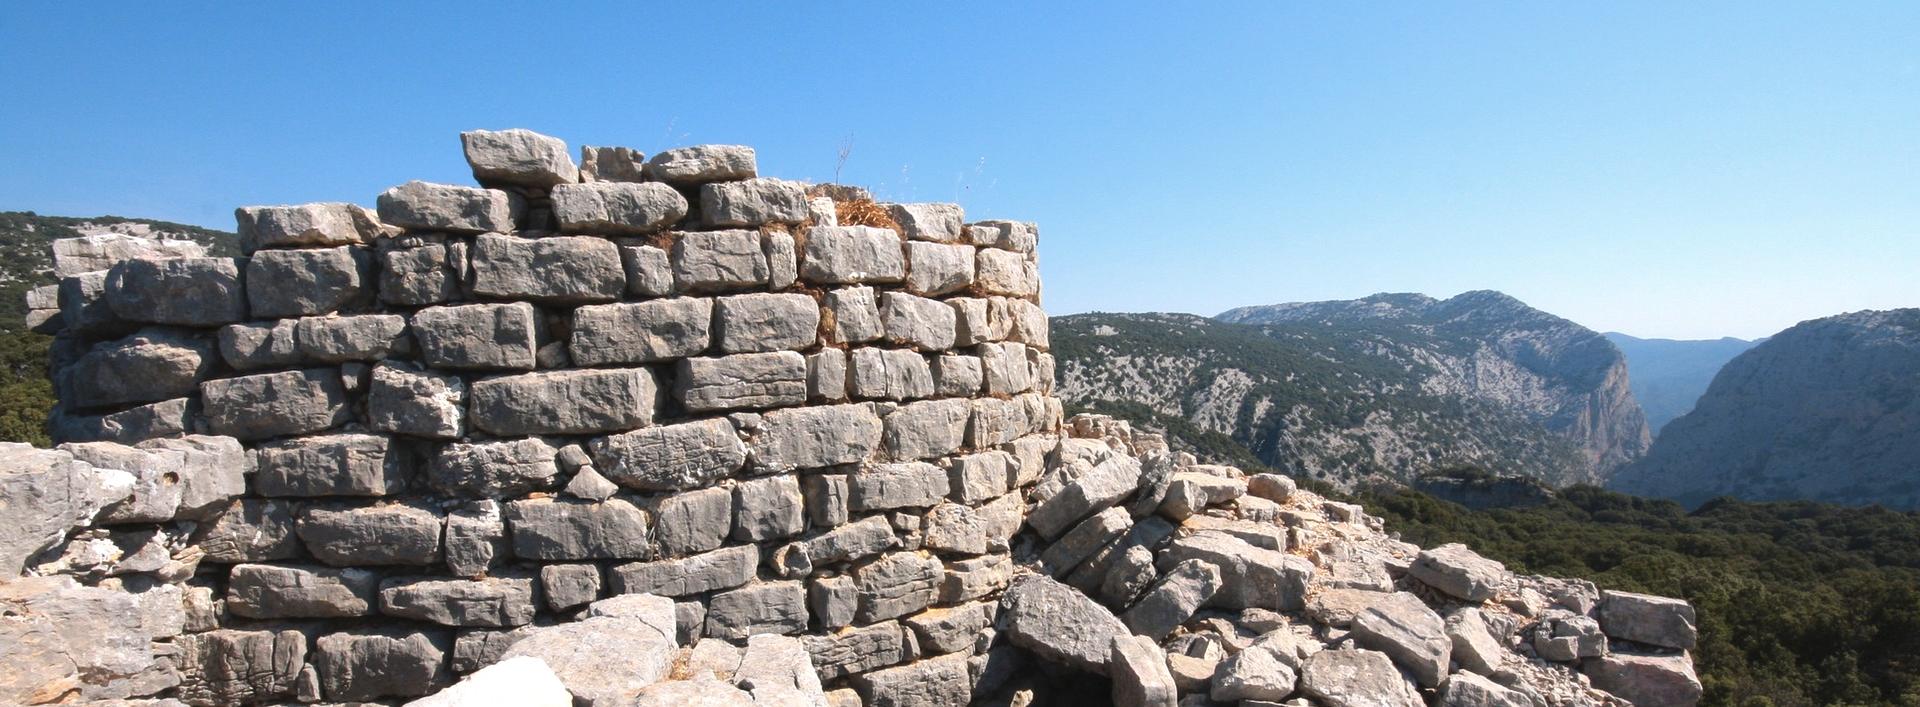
(935, 269)
(935, 682)
(1337, 607)
(1357, 678)
(153, 365)
(84, 307)
(826, 499)
(249, 530)
(1402, 627)
(951, 527)
(853, 541)
(714, 261)
(765, 322)
(671, 457)
(692, 521)
(997, 422)
(1663, 680)
(478, 336)
(366, 337)
(239, 667)
(1191, 492)
(764, 607)
(855, 315)
(555, 269)
(604, 661)
(421, 206)
(1474, 646)
(768, 508)
(1128, 574)
(261, 345)
(1250, 576)
(569, 586)
(1057, 623)
(1267, 670)
(1459, 571)
(895, 585)
(416, 276)
(742, 381)
(1272, 487)
(572, 402)
(753, 202)
(951, 629)
(1649, 619)
(849, 255)
(275, 404)
(971, 325)
(100, 251)
(1100, 488)
(778, 667)
(641, 332)
(812, 437)
(493, 469)
(900, 485)
(919, 322)
(1017, 236)
(407, 401)
(617, 208)
(1465, 689)
(889, 374)
(329, 465)
(833, 600)
(1018, 320)
(827, 375)
(493, 602)
(296, 283)
(611, 164)
(518, 157)
(1140, 674)
(287, 592)
(1569, 638)
(564, 530)
(1086, 538)
(523, 681)
(859, 650)
(783, 260)
(649, 270)
(938, 223)
(698, 692)
(957, 375)
(725, 568)
(1001, 272)
(366, 666)
(155, 480)
(975, 577)
(395, 534)
(980, 477)
(65, 642)
(203, 292)
(1004, 368)
(1174, 599)
(589, 485)
(162, 419)
(702, 163)
(476, 538)
(476, 648)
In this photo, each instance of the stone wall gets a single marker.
(394, 436)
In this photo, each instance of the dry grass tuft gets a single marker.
(864, 212)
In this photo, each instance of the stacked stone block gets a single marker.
(480, 408)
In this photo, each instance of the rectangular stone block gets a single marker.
(889, 374)
(926, 429)
(393, 534)
(364, 337)
(329, 465)
(1005, 368)
(492, 468)
(275, 404)
(996, 421)
(826, 498)
(972, 323)
(649, 270)
(556, 269)
(981, 477)
(1001, 272)
(827, 376)
(478, 336)
(153, 365)
(765, 607)
(417, 275)
(718, 261)
(925, 324)
(903, 485)
(300, 591)
(476, 537)
(753, 202)
(1016, 236)
(489, 602)
(859, 650)
(768, 509)
(421, 206)
(765, 322)
(1018, 320)
(742, 381)
(641, 332)
(851, 255)
(573, 402)
(721, 569)
(297, 283)
(783, 260)
(570, 586)
(930, 222)
(571, 530)
(692, 521)
(896, 585)
(812, 437)
(407, 401)
(358, 667)
(833, 600)
(671, 457)
(935, 269)
(702, 163)
(616, 208)
(202, 292)
(854, 315)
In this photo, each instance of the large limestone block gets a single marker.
(249, 530)
(357, 667)
(320, 225)
(859, 650)
(155, 420)
(649, 270)
(478, 336)
(153, 365)
(768, 508)
(741, 381)
(1649, 619)
(501, 468)
(691, 521)
(641, 332)
(393, 534)
(61, 641)
(1466, 689)
(1000, 272)
(1088, 537)
(1190, 492)
(85, 309)
(855, 315)
(812, 437)
(330, 465)
(1140, 674)
(765, 322)
(422, 206)
(1018, 320)
(240, 667)
(849, 542)
(851, 255)
(702, 163)
(519, 157)
(671, 457)
(901, 485)
(937, 223)
(100, 251)
(1017, 236)
(492, 602)
(202, 292)
(724, 568)
(417, 275)
(1357, 678)
(1459, 571)
(275, 404)
(1649, 680)
(297, 283)
(604, 661)
(1251, 577)
(919, 322)
(569, 530)
(935, 269)
(934, 682)
(364, 337)
(254, 345)
(617, 208)
(1100, 488)
(476, 537)
(612, 164)
(763, 607)
(1402, 626)
(895, 585)
(1475, 647)
(753, 202)
(300, 591)
(927, 429)
(889, 374)
(524, 681)
(556, 269)
(1174, 599)
(954, 629)
(1058, 623)
(716, 261)
(571, 402)
(408, 401)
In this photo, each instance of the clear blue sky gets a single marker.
(1664, 169)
